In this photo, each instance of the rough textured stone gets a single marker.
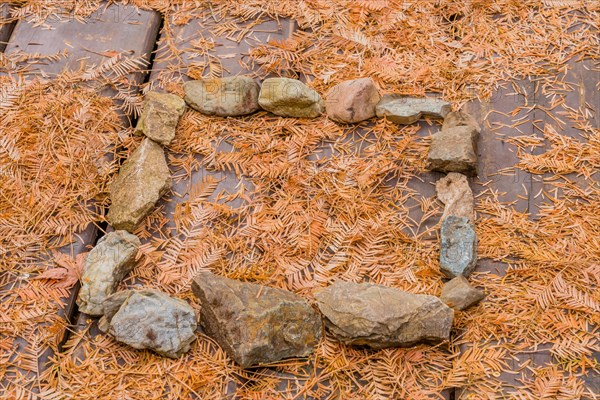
(142, 180)
(453, 190)
(149, 319)
(352, 101)
(458, 255)
(225, 97)
(408, 110)
(459, 294)
(160, 117)
(460, 118)
(365, 314)
(105, 266)
(454, 150)
(256, 324)
(290, 98)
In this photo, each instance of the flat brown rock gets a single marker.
(454, 150)
(459, 294)
(141, 182)
(453, 190)
(256, 324)
(352, 101)
(365, 314)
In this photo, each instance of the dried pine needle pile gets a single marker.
(318, 202)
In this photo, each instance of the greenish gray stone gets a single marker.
(458, 253)
(454, 150)
(460, 118)
(366, 314)
(105, 266)
(460, 295)
(149, 319)
(408, 110)
(141, 182)
(225, 97)
(290, 98)
(256, 324)
(160, 117)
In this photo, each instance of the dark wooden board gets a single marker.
(6, 25)
(111, 28)
(582, 78)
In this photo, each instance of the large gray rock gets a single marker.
(408, 110)
(459, 294)
(460, 118)
(256, 324)
(454, 150)
(105, 266)
(365, 314)
(141, 182)
(149, 319)
(225, 97)
(352, 101)
(160, 117)
(453, 190)
(458, 249)
(290, 98)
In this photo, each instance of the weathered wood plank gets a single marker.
(6, 25)
(113, 28)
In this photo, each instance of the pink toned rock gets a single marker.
(352, 101)
(453, 190)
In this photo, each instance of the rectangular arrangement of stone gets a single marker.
(256, 324)
(454, 148)
(366, 314)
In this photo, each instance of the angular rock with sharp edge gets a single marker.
(160, 117)
(256, 324)
(408, 110)
(141, 182)
(366, 314)
(459, 294)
